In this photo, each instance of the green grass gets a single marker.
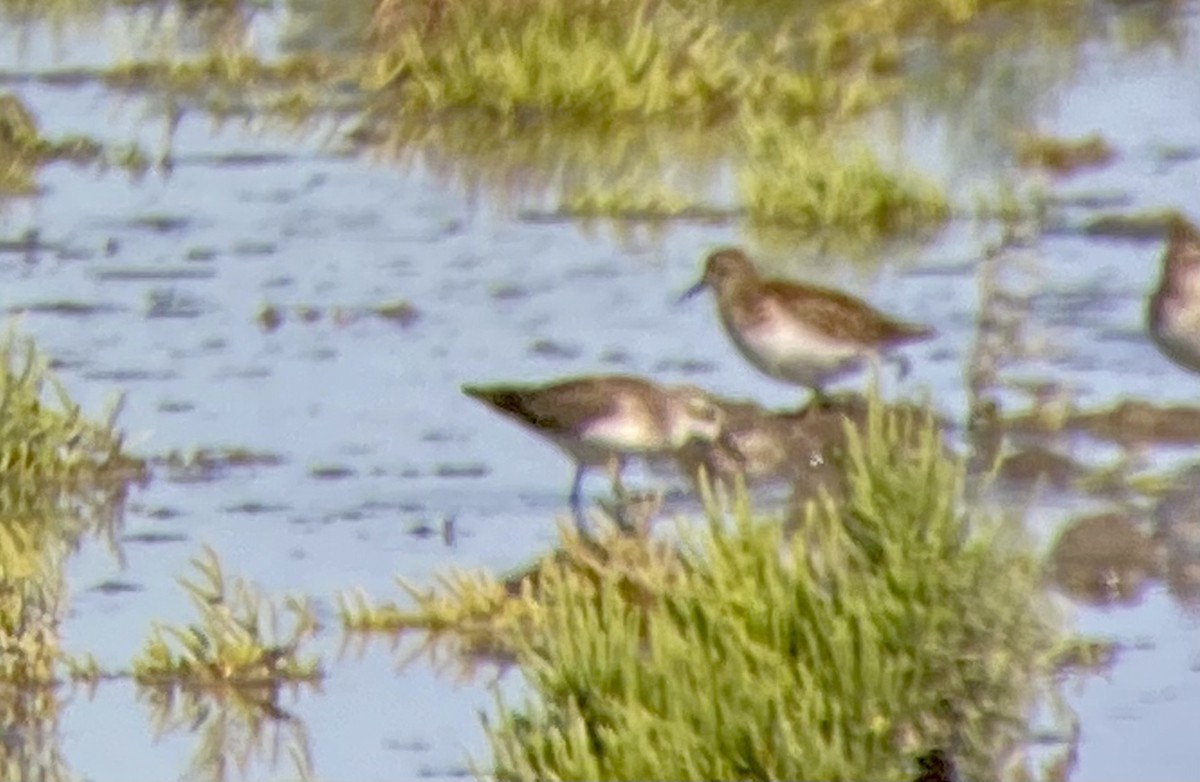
(796, 179)
(19, 142)
(62, 476)
(1064, 156)
(594, 60)
(23, 150)
(530, 65)
(895, 622)
(480, 79)
(237, 641)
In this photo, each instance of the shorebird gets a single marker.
(603, 420)
(800, 334)
(1173, 313)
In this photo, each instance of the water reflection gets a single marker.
(536, 170)
(1104, 560)
(238, 729)
(1112, 558)
(29, 741)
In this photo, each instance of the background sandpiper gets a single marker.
(1173, 314)
(801, 334)
(602, 420)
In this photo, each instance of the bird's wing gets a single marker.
(840, 315)
(566, 407)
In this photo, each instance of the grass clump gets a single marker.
(23, 150)
(600, 60)
(1064, 156)
(893, 623)
(477, 615)
(62, 477)
(237, 641)
(19, 145)
(870, 35)
(628, 198)
(798, 180)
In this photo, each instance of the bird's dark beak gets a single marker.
(692, 291)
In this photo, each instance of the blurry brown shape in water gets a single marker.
(800, 448)
(1042, 466)
(1129, 422)
(1105, 560)
(1173, 310)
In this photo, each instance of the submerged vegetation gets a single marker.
(896, 621)
(237, 642)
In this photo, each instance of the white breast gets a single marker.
(788, 349)
(626, 430)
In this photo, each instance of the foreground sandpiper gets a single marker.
(801, 334)
(1173, 313)
(602, 420)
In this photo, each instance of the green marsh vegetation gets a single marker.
(224, 677)
(63, 481)
(783, 96)
(897, 620)
(63, 478)
(237, 641)
(649, 111)
(23, 150)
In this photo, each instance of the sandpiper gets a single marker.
(1173, 313)
(800, 334)
(602, 420)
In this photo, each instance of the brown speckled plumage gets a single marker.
(600, 420)
(794, 332)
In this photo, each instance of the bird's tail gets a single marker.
(912, 332)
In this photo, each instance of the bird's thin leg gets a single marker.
(577, 500)
(616, 466)
(902, 362)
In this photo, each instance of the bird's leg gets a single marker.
(903, 364)
(581, 524)
(616, 465)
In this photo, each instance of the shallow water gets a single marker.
(166, 276)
